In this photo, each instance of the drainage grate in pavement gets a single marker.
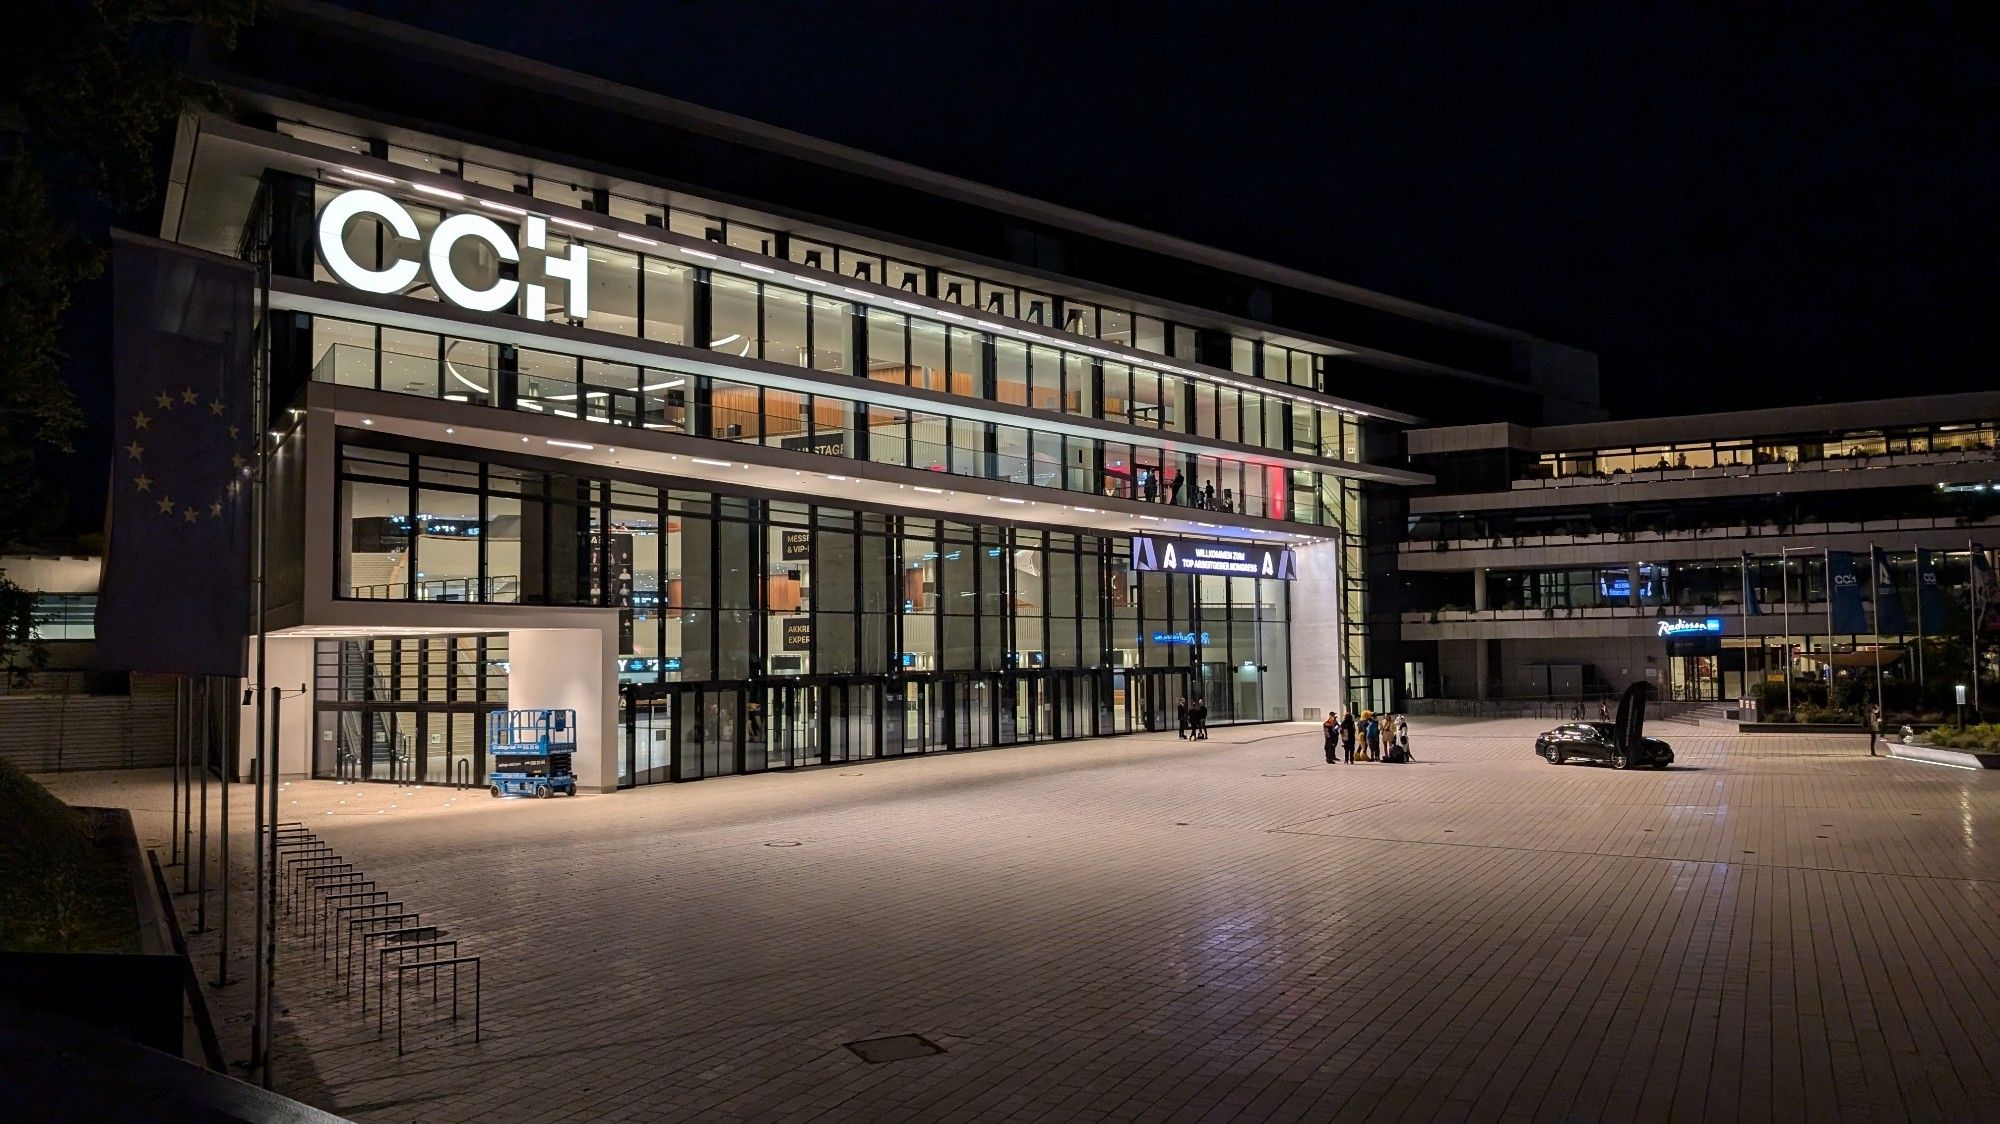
(895, 1048)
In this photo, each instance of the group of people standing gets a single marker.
(1194, 718)
(1374, 737)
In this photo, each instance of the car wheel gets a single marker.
(1557, 758)
(1620, 761)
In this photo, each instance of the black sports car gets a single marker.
(1599, 741)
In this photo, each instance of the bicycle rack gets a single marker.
(344, 913)
(462, 771)
(403, 971)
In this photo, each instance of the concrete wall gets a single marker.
(288, 665)
(43, 573)
(571, 669)
(1317, 679)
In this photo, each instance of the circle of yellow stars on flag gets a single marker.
(196, 503)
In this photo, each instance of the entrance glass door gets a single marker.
(649, 742)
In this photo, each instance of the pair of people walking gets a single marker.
(1194, 719)
(1366, 734)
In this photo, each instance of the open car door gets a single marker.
(1630, 725)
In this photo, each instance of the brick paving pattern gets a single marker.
(1779, 928)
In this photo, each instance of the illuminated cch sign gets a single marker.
(1187, 638)
(1681, 626)
(435, 256)
(1161, 554)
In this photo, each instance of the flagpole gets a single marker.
(1743, 608)
(1972, 597)
(1875, 591)
(1920, 625)
(1826, 560)
(267, 747)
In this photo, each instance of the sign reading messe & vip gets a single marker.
(1163, 554)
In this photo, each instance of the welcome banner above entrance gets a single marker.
(1169, 555)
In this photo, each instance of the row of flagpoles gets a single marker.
(1843, 601)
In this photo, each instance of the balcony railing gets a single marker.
(665, 401)
(1746, 534)
(1855, 463)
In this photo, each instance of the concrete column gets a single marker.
(289, 662)
(571, 669)
(1632, 583)
(1479, 590)
(1318, 679)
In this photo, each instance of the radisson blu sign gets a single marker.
(1162, 554)
(1684, 626)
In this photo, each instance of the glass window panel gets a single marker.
(1150, 406)
(1149, 334)
(547, 383)
(1010, 368)
(754, 239)
(1118, 392)
(927, 355)
(832, 334)
(968, 448)
(968, 349)
(1035, 307)
(668, 301)
(957, 290)
(734, 314)
(785, 419)
(410, 361)
(812, 255)
(1011, 459)
(929, 442)
(614, 290)
(343, 352)
(887, 339)
(734, 411)
(1116, 326)
(888, 435)
(784, 337)
(694, 225)
(501, 178)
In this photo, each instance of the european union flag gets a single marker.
(175, 595)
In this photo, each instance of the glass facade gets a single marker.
(736, 594)
(1077, 313)
(406, 709)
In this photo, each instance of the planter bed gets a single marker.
(1801, 728)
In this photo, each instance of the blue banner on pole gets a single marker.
(175, 595)
(1750, 608)
(1889, 615)
(1845, 593)
(1930, 597)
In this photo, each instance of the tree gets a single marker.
(87, 94)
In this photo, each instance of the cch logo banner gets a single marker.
(1161, 554)
(433, 256)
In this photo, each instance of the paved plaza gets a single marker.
(1778, 928)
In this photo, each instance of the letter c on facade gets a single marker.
(333, 221)
(501, 293)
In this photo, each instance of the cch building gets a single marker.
(759, 452)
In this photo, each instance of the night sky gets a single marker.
(1762, 207)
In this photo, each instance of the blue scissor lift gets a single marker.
(530, 751)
